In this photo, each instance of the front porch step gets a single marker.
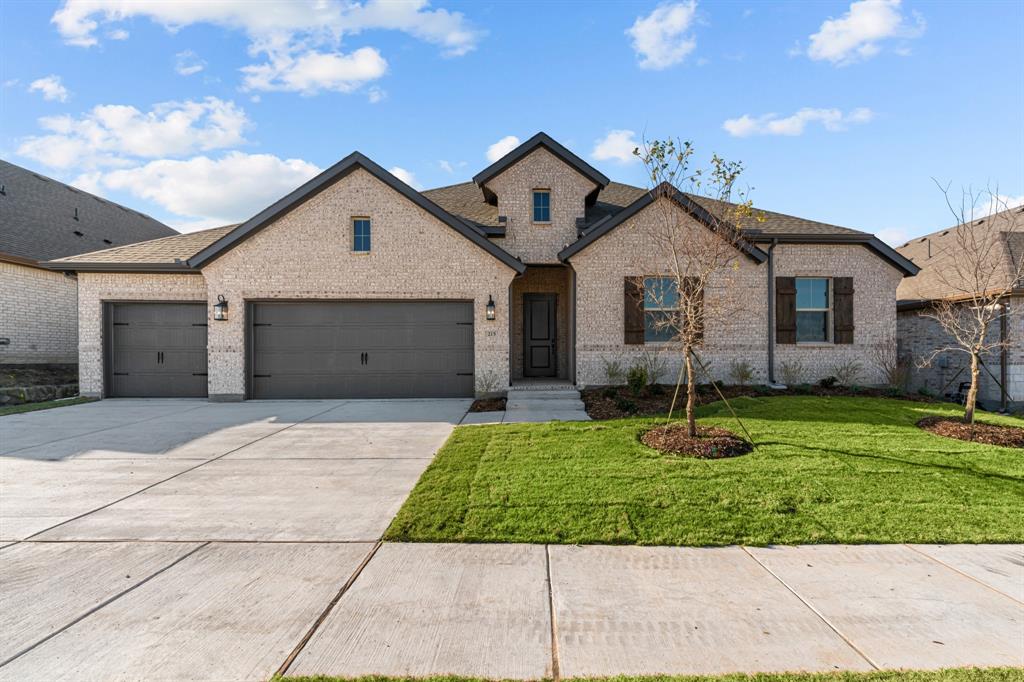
(545, 394)
(546, 404)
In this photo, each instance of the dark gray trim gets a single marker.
(546, 141)
(603, 227)
(118, 267)
(326, 179)
(771, 313)
(872, 242)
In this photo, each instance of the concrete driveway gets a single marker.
(193, 539)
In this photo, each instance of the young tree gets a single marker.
(978, 273)
(698, 243)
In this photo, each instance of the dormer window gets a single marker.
(542, 206)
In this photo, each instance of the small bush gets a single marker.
(792, 372)
(847, 372)
(487, 382)
(656, 389)
(828, 382)
(614, 370)
(636, 379)
(610, 392)
(741, 372)
(923, 391)
(626, 405)
(653, 362)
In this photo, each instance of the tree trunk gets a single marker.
(972, 392)
(691, 396)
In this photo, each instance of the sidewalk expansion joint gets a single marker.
(283, 670)
(815, 611)
(966, 575)
(556, 673)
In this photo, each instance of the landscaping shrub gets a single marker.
(609, 392)
(741, 372)
(792, 372)
(626, 405)
(615, 371)
(828, 382)
(636, 379)
(847, 372)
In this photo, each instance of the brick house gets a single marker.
(357, 285)
(42, 219)
(1002, 236)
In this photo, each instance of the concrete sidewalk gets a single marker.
(240, 611)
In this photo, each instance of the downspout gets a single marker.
(1002, 361)
(771, 313)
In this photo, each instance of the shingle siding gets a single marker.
(38, 315)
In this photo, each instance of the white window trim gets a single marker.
(829, 334)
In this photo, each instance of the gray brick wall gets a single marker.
(38, 314)
(536, 242)
(919, 336)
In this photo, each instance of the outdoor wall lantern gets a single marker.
(490, 307)
(220, 309)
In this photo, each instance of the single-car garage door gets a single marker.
(361, 349)
(156, 350)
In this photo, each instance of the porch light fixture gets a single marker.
(220, 309)
(490, 307)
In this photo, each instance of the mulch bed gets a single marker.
(616, 402)
(711, 442)
(488, 405)
(987, 434)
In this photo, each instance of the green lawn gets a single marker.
(826, 470)
(45, 405)
(949, 675)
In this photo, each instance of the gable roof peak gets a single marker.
(539, 140)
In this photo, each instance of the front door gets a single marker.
(539, 357)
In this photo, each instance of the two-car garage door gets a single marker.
(307, 349)
(361, 349)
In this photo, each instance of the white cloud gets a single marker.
(118, 34)
(51, 87)
(989, 203)
(445, 166)
(208, 192)
(663, 37)
(833, 120)
(502, 147)
(376, 95)
(617, 145)
(298, 39)
(857, 35)
(313, 71)
(111, 134)
(188, 62)
(405, 176)
(894, 236)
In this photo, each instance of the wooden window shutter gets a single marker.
(690, 284)
(842, 309)
(633, 311)
(785, 310)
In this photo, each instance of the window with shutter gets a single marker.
(785, 310)
(842, 295)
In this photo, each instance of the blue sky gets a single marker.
(203, 113)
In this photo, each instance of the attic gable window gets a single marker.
(541, 206)
(361, 235)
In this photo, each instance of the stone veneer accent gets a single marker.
(631, 250)
(41, 321)
(540, 242)
(543, 280)
(95, 288)
(307, 254)
(918, 336)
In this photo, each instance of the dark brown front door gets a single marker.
(539, 358)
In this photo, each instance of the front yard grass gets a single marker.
(45, 405)
(826, 470)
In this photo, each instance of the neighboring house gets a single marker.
(42, 219)
(920, 336)
(357, 285)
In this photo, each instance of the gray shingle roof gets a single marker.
(466, 200)
(38, 218)
(166, 250)
(1002, 237)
